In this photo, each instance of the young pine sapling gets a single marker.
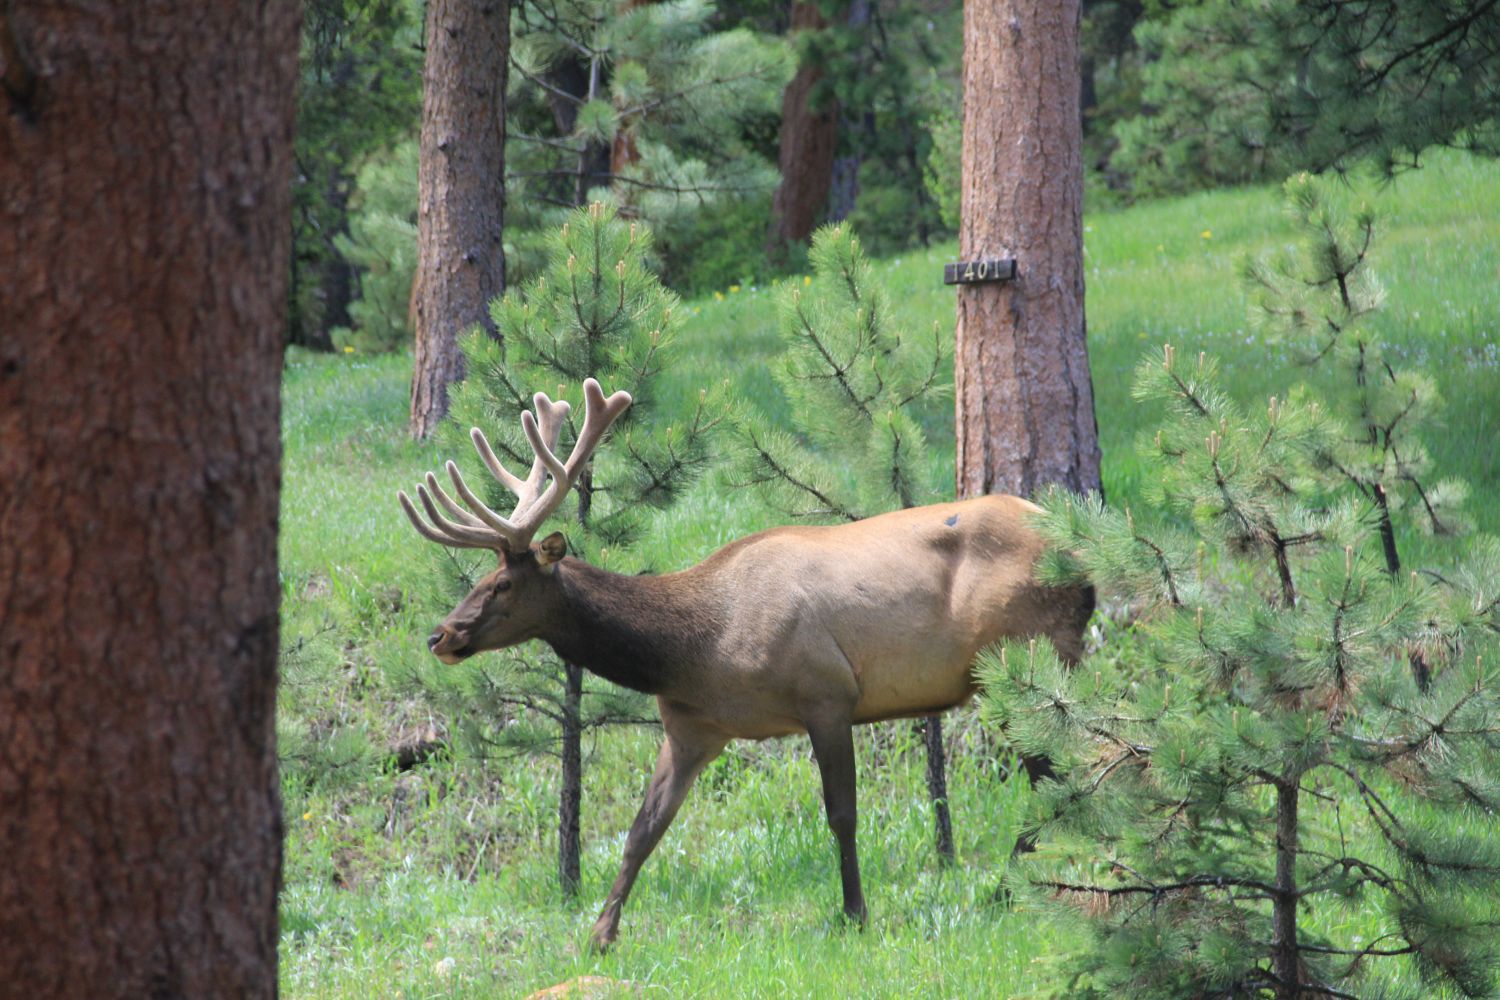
(1272, 806)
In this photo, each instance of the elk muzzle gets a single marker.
(448, 645)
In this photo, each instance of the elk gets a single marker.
(795, 629)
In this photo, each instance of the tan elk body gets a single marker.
(795, 629)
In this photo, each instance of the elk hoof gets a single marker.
(601, 939)
(856, 919)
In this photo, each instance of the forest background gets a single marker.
(1176, 97)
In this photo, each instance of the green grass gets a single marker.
(742, 897)
(388, 875)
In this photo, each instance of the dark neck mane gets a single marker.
(640, 632)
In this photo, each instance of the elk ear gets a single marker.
(550, 549)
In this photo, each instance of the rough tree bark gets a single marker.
(145, 155)
(1025, 400)
(461, 193)
(809, 138)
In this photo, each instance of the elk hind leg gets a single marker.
(678, 764)
(833, 746)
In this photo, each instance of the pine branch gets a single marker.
(557, 92)
(1220, 882)
(830, 506)
(839, 373)
(1160, 557)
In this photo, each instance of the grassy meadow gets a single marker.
(440, 881)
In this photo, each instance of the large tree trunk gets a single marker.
(145, 154)
(461, 193)
(1024, 397)
(809, 137)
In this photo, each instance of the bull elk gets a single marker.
(795, 629)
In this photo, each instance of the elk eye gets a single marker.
(501, 586)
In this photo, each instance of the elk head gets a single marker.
(516, 601)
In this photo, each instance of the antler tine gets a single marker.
(482, 537)
(451, 506)
(545, 457)
(550, 415)
(491, 461)
(550, 418)
(598, 414)
(500, 525)
(487, 529)
(427, 531)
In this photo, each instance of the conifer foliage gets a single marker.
(1272, 805)
(859, 393)
(645, 103)
(595, 311)
(1319, 300)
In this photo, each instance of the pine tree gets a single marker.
(860, 394)
(642, 104)
(1231, 89)
(596, 311)
(1270, 775)
(1319, 300)
(1024, 390)
(382, 244)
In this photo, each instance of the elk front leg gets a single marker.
(833, 746)
(681, 758)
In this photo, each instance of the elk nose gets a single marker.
(435, 638)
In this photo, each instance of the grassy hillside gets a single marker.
(439, 881)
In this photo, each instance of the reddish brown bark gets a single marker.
(624, 154)
(144, 207)
(809, 139)
(624, 151)
(1025, 400)
(461, 193)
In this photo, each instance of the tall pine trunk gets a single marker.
(145, 160)
(461, 193)
(809, 138)
(1025, 402)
